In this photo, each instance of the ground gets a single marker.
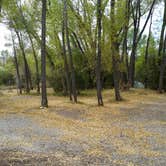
(128, 133)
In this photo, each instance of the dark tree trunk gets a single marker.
(44, 102)
(73, 82)
(161, 45)
(98, 56)
(78, 43)
(146, 54)
(29, 72)
(162, 68)
(26, 70)
(19, 84)
(64, 87)
(115, 53)
(66, 67)
(36, 65)
(161, 52)
(132, 59)
(116, 72)
(124, 59)
(136, 16)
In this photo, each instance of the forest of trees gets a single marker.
(72, 45)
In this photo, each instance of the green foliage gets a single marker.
(25, 17)
(152, 68)
(6, 78)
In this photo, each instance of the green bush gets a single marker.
(6, 78)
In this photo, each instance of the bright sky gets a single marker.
(157, 19)
(4, 32)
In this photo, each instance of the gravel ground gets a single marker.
(24, 141)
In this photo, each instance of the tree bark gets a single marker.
(25, 62)
(146, 54)
(162, 68)
(98, 56)
(73, 82)
(66, 67)
(19, 84)
(36, 65)
(44, 102)
(162, 32)
(161, 52)
(124, 59)
(136, 15)
(115, 53)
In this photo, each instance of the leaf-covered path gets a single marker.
(129, 133)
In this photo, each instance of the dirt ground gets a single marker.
(129, 133)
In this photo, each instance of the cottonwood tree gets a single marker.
(98, 56)
(73, 81)
(19, 82)
(115, 51)
(44, 102)
(137, 13)
(147, 52)
(162, 51)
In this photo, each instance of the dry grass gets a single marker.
(110, 124)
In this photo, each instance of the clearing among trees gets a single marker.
(131, 132)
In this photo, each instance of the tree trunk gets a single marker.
(98, 56)
(28, 69)
(146, 54)
(115, 53)
(136, 15)
(66, 67)
(161, 52)
(44, 102)
(73, 82)
(116, 72)
(25, 62)
(36, 65)
(132, 59)
(19, 84)
(161, 45)
(162, 68)
(124, 59)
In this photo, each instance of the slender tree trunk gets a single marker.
(161, 52)
(115, 54)
(44, 102)
(36, 65)
(66, 67)
(116, 72)
(73, 82)
(132, 59)
(147, 53)
(136, 14)
(124, 60)
(161, 45)
(162, 68)
(63, 81)
(98, 56)
(28, 69)
(19, 84)
(25, 62)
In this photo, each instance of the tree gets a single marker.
(98, 56)
(66, 66)
(26, 66)
(136, 16)
(147, 53)
(115, 52)
(73, 82)
(44, 102)
(162, 51)
(19, 83)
